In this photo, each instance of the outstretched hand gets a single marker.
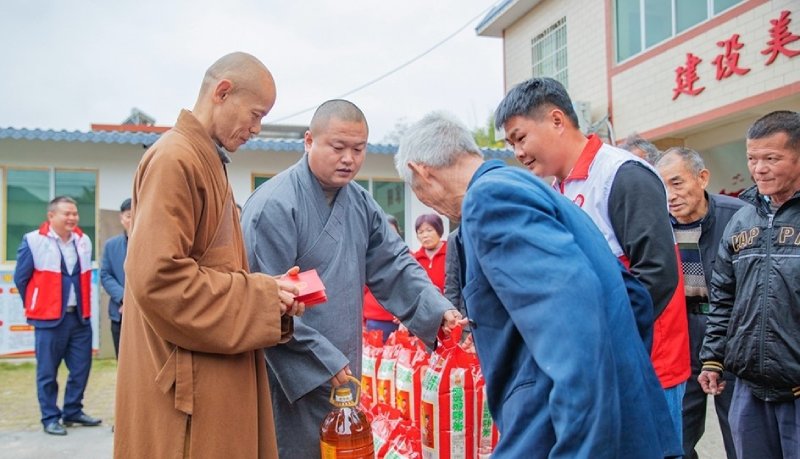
(452, 319)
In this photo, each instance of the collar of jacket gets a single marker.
(486, 167)
(760, 202)
(190, 126)
(44, 230)
(705, 221)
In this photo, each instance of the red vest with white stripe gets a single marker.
(43, 296)
(589, 186)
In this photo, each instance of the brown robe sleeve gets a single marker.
(214, 307)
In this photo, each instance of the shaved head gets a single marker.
(339, 109)
(241, 69)
(236, 93)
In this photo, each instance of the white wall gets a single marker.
(116, 165)
(586, 57)
(643, 93)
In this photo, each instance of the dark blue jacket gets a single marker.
(566, 373)
(112, 273)
(23, 273)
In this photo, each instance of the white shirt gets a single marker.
(70, 255)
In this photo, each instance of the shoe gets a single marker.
(55, 428)
(84, 420)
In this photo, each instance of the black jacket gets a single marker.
(721, 209)
(754, 323)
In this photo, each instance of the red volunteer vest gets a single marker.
(43, 296)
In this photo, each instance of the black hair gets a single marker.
(529, 97)
(784, 121)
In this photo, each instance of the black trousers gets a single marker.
(115, 329)
(694, 400)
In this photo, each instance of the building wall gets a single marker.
(642, 88)
(586, 57)
(116, 165)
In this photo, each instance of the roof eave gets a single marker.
(503, 16)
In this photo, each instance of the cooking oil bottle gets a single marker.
(346, 433)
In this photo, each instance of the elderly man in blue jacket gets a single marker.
(112, 272)
(567, 374)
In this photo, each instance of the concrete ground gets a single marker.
(21, 435)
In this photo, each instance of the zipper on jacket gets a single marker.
(763, 320)
(34, 297)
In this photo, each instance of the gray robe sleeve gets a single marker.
(400, 284)
(452, 277)
(308, 359)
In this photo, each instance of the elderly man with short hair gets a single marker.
(755, 307)
(642, 148)
(537, 336)
(698, 219)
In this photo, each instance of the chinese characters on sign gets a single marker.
(780, 37)
(727, 63)
(686, 77)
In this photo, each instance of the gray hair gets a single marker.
(636, 141)
(691, 158)
(436, 140)
(51, 206)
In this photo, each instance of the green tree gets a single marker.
(486, 136)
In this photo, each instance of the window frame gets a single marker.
(371, 190)
(51, 171)
(643, 48)
(255, 175)
(552, 31)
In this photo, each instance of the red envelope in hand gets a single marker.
(312, 291)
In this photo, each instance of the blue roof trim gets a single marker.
(492, 15)
(148, 138)
(78, 136)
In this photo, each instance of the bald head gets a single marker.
(339, 109)
(236, 93)
(243, 70)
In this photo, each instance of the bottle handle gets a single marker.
(356, 383)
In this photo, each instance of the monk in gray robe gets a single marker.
(313, 216)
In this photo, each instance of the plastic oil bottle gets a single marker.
(346, 433)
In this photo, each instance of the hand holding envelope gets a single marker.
(310, 290)
(288, 291)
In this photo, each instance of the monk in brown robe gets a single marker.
(192, 379)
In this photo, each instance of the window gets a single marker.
(689, 13)
(722, 5)
(629, 41)
(28, 191)
(390, 195)
(549, 50)
(642, 24)
(257, 179)
(657, 21)
(82, 187)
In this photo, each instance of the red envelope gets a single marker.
(312, 291)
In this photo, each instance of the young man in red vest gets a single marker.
(625, 198)
(53, 275)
